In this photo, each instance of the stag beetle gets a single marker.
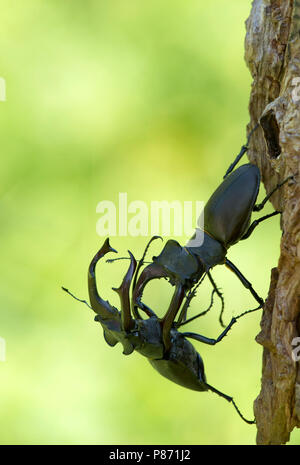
(167, 349)
(227, 217)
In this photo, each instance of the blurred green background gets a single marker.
(148, 98)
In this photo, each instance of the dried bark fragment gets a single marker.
(272, 52)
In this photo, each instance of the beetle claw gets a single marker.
(152, 271)
(123, 292)
(100, 306)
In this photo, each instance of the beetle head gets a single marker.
(175, 263)
(115, 324)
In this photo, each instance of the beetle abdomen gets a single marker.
(183, 365)
(227, 213)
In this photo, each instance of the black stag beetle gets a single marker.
(227, 220)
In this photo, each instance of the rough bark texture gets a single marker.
(273, 56)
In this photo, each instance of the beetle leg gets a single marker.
(181, 323)
(243, 150)
(207, 340)
(249, 311)
(123, 292)
(256, 223)
(244, 281)
(219, 293)
(170, 316)
(212, 342)
(261, 205)
(190, 296)
(182, 316)
(230, 399)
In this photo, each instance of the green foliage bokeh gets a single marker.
(148, 98)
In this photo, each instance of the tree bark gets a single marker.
(272, 53)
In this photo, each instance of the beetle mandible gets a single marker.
(167, 349)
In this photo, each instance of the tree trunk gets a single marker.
(273, 56)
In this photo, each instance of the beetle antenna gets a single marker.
(76, 298)
(111, 260)
(141, 261)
